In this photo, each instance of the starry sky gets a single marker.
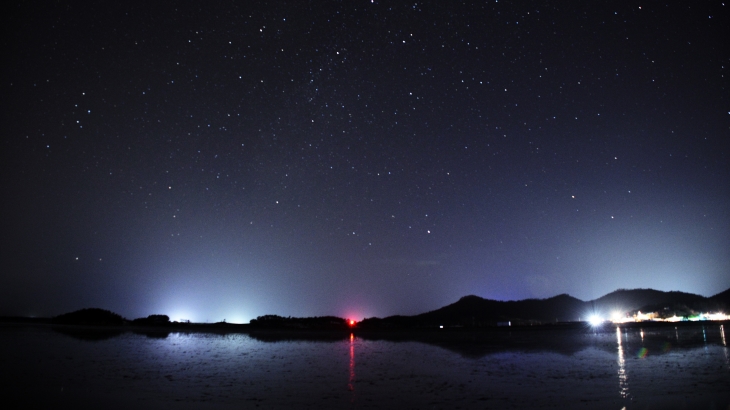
(225, 160)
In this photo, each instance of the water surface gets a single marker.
(655, 368)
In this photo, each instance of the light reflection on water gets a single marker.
(623, 378)
(351, 380)
(706, 339)
(724, 344)
(476, 370)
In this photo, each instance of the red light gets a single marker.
(352, 322)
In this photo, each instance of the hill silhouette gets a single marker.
(722, 299)
(90, 317)
(279, 322)
(152, 320)
(474, 311)
(469, 311)
(635, 299)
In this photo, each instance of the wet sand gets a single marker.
(663, 368)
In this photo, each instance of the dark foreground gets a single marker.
(634, 367)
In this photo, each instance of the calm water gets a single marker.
(687, 367)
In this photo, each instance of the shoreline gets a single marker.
(232, 328)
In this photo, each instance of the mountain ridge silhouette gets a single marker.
(475, 311)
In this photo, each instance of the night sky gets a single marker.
(225, 160)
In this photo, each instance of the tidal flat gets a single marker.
(667, 367)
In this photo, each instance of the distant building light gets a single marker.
(595, 320)
(655, 317)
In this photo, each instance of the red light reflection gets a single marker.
(351, 381)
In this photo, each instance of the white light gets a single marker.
(595, 320)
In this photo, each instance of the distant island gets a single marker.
(621, 306)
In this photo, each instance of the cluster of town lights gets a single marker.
(618, 317)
